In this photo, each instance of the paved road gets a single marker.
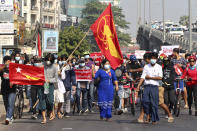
(194, 36)
(91, 122)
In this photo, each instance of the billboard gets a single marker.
(6, 28)
(51, 38)
(6, 40)
(6, 4)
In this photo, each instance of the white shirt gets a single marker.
(152, 71)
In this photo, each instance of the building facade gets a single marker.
(46, 11)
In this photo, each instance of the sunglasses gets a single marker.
(192, 61)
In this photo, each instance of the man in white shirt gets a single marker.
(152, 74)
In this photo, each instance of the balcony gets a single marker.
(50, 26)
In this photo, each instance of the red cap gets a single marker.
(192, 57)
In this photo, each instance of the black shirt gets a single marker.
(120, 72)
(168, 76)
(134, 65)
(5, 82)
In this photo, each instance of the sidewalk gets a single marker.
(2, 109)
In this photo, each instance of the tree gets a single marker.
(184, 20)
(69, 39)
(93, 10)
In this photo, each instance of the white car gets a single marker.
(176, 31)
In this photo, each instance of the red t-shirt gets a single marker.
(188, 73)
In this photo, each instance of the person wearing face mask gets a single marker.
(179, 64)
(89, 63)
(107, 78)
(8, 90)
(69, 80)
(152, 74)
(36, 90)
(47, 99)
(166, 92)
(190, 73)
(123, 93)
(82, 88)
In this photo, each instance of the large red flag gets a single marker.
(26, 75)
(105, 34)
(39, 46)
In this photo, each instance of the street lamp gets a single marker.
(144, 12)
(190, 25)
(150, 12)
(164, 26)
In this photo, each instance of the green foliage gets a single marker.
(93, 10)
(69, 39)
(184, 20)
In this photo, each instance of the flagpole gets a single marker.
(79, 44)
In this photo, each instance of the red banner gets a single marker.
(97, 57)
(83, 74)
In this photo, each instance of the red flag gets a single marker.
(39, 46)
(105, 34)
(26, 75)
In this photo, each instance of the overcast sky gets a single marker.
(174, 9)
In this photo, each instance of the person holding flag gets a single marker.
(8, 90)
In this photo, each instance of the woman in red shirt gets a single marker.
(190, 73)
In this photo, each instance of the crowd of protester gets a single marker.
(109, 89)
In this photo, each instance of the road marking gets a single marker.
(67, 128)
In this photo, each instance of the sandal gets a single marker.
(59, 116)
(44, 121)
(140, 121)
(52, 118)
(170, 119)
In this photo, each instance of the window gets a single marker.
(45, 4)
(45, 19)
(25, 2)
(50, 19)
(50, 4)
(25, 17)
(33, 19)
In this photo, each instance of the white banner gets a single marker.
(6, 40)
(168, 49)
(6, 28)
(140, 54)
(6, 4)
(63, 17)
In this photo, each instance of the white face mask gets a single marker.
(48, 62)
(17, 58)
(153, 61)
(107, 67)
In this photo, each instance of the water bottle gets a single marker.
(46, 88)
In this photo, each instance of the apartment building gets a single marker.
(48, 10)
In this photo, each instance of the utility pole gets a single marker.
(190, 26)
(164, 25)
(144, 12)
(139, 12)
(41, 26)
(150, 13)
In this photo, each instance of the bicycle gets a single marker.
(133, 96)
(177, 105)
(19, 102)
